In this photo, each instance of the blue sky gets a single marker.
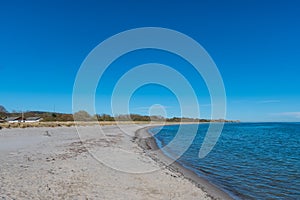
(255, 45)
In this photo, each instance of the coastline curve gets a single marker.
(147, 142)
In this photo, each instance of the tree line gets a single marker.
(85, 116)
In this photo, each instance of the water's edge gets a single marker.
(147, 142)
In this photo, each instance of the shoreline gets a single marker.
(148, 144)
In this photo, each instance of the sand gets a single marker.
(54, 163)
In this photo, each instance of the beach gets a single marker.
(57, 163)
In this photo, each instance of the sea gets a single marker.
(249, 160)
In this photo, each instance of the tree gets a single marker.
(2, 109)
(82, 116)
(104, 117)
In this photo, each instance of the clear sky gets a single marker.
(255, 45)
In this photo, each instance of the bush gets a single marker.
(82, 116)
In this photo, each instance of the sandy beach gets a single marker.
(55, 163)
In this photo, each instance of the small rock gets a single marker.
(47, 134)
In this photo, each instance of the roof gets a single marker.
(12, 118)
(33, 118)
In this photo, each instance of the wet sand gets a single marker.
(54, 163)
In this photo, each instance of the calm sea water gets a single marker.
(249, 161)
